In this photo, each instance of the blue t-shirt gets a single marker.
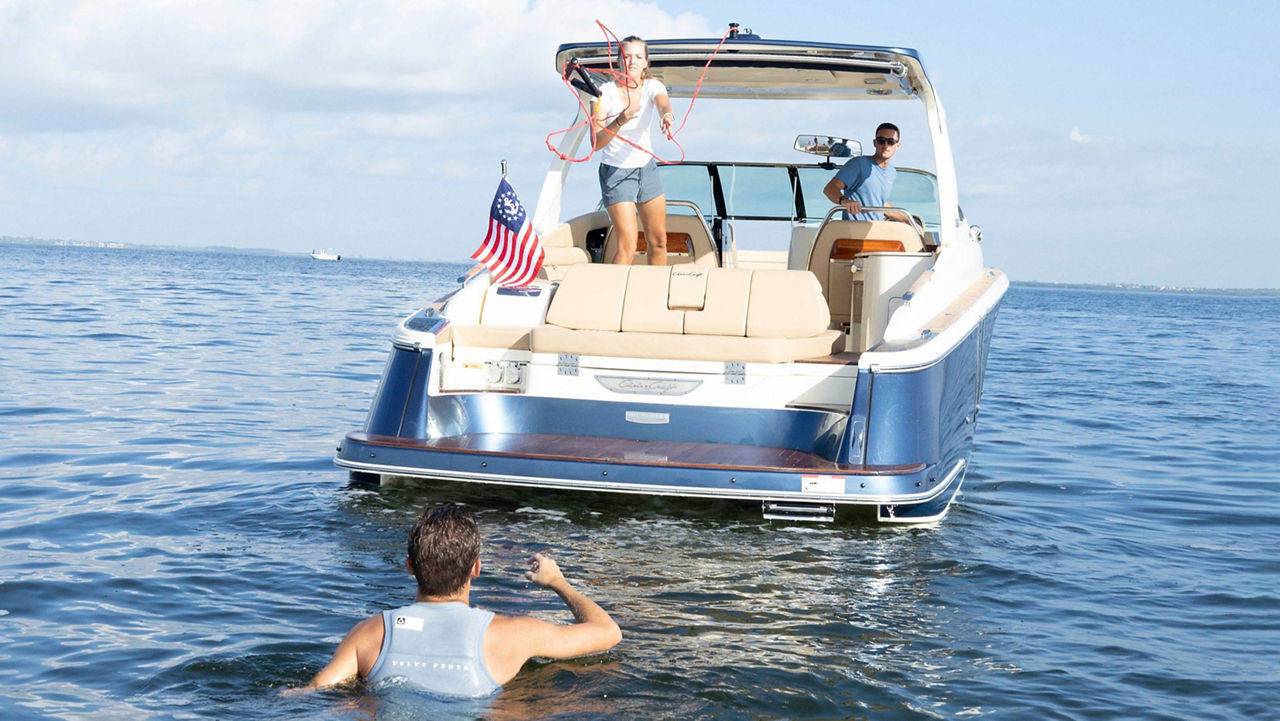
(867, 183)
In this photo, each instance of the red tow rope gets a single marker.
(671, 135)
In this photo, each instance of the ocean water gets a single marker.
(175, 542)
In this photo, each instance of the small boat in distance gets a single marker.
(325, 255)
(840, 368)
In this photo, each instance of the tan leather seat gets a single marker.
(838, 242)
(688, 241)
(761, 316)
(565, 244)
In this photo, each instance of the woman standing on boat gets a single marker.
(622, 121)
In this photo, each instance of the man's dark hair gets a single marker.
(443, 547)
(888, 126)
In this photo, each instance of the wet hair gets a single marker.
(443, 547)
(889, 126)
(634, 39)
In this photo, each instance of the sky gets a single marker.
(1095, 142)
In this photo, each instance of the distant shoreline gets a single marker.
(1147, 288)
(13, 240)
(62, 243)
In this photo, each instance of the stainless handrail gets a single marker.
(690, 204)
(911, 218)
(697, 213)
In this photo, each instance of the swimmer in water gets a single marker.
(442, 644)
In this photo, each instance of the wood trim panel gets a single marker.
(677, 243)
(708, 456)
(847, 248)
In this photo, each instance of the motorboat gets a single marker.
(325, 255)
(840, 369)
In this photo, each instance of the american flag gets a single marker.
(512, 251)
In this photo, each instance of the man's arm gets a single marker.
(512, 641)
(834, 191)
(355, 655)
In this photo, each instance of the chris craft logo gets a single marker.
(649, 386)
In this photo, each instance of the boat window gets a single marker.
(917, 192)
(812, 181)
(913, 190)
(688, 182)
(757, 192)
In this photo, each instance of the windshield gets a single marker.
(688, 182)
(764, 191)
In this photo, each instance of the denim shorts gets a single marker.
(629, 185)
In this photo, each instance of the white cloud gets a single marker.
(229, 87)
(463, 171)
(166, 54)
(257, 123)
(239, 138)
(251, 187)
(71, 160)
(1076, 136)
(420, 125)
(173, 151)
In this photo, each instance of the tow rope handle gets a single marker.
(583, 82)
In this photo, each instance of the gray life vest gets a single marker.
(437, 647)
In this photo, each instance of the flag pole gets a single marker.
(504, 168)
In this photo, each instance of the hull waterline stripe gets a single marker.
(648, 489)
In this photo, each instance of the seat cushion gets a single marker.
(590, 297)
(786, 304)
(645, 308)
(725, 308)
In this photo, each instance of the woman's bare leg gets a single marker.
(653, 214)
(623, 217)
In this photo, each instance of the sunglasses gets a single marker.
(886, 141)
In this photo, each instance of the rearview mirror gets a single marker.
(829, 146)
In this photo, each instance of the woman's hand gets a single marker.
(628, 114)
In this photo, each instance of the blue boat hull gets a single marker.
(902, 447)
